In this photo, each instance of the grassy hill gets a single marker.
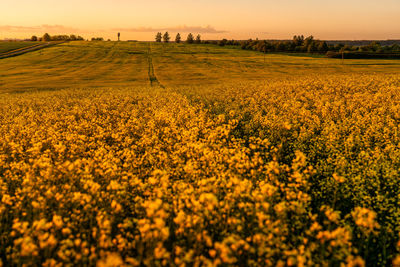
(121, 64)
(6, 46)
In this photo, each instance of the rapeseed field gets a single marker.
(290, 172)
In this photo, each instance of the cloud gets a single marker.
(195, 29)
(60, 29)
(41, 28)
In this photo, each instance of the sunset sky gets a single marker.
(213, 19)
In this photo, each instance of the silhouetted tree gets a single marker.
(190, 39)
(166, 37)
(178, 38)
(312, 47)
(375, 46)
(323, 47)
(159, 37)
(280, 47)
(395, 47)
(338, 47)
(298, 40)
(308, 41)
(34, 38)
(60, 38)
(198, 39)
(222, 42)
(46, 37)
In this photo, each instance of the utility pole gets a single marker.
(342, 57)
(119, 35)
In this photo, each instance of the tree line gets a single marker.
(306, 45)
(47, 38)
(178, 39)
(299, 44)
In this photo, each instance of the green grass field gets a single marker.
(124, 64)
(9, 46)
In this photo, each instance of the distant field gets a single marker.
(122, 64)
(9, 46)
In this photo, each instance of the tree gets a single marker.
(395, 47)
(46, 37)
(190, 39)
(280, 47)
(119, 35)
(198, 39)
(178, 38)
(338, 47)
(166, 37)
(298, 40)
(311, 48)
(308, 41)
(34, 38)
(224, 41)
(323, 47)
(72, 37)
(158, 37)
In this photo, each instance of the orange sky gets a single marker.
(213, 19)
